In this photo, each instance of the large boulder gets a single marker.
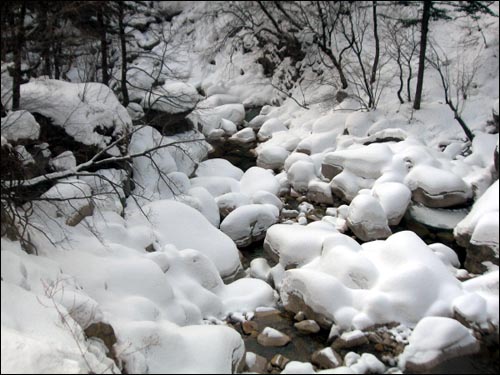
(247, 224)
(435, 340)
(437, 188)
(478, 232)
(367, 219)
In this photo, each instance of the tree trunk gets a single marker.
(16, 82)
(104, 46)
(123, 43)
(421, 58)
(377, 44)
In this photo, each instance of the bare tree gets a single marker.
(456, 81)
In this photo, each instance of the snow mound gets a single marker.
(86, 111)
(434, 340)
(178, 224)
(248, 224)
(218, 167)
(20, 125)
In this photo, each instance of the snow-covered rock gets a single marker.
(83, 110)
(230, 201)
(394, 198)
(20, 125)
(219, 168)
(478, 231)
(244, 136)
(367, 218)
(295, 244)
(435, 340)
(436, 187)
(256, 179)
(272, 337)
(247, 224)
(64, 161)
(272, 157)
(178, 224)
(269, 127)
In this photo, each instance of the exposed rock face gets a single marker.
(86, 210)
(106, 334)
(295, 303)
(256, 363)
(477, 255)
(329, 171)
(445, 199)
(272, 337)
(350, 340)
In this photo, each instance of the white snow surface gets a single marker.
(20, 125)
(86, 107)
(434, 336)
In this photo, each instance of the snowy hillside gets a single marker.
(248, 187)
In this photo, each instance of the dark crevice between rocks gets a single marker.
(167, 123)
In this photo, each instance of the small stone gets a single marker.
(249, 326)
(307, 326)
(256, 363)
(279, 361)
(326, 358)
(379, 347)
(272, 337)
(350, 340)
(300, 316)
(265, 314)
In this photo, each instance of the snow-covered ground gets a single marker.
(158, 259)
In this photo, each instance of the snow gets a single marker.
(20, 125)
(172, 97)
(394, 198)
(434, 337)
(246, 135)
(219, 168)
(216, 185)
(180, 225)
(256, 179)
(272, 157)
(86, 107)
(296, 244)
(210, 118)
(64, 161)
(367, 218)
(249, 223)
(270, 127)
(295, 367)
(483, 217)
(271, 332)
(437, 181)
(400, 279)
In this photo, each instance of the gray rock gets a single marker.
(256, 363)
(307, 326)
(279, 361)
(295, 303)
(329, 171)
(326, 358)
(350, 340)
(300, 316)
(272, 337)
